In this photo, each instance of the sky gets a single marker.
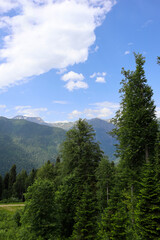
(61, 59)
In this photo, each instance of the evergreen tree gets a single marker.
(1, 187)
(31, 177)
(148, 207)
(12, 178)
(19, 187)
(136, 125)
(80, 155)
(158, 60)
(6, 186)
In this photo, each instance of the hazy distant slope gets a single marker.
(27, 144)
(107, 142)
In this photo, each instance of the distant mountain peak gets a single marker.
(30, 119)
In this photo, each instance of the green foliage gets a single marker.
(66, 199)
(148, 207)
(47, 171)
(158, 60)
(8, 227)
(39, 216)
(86, 216)
(31, 177)
(105, 174)
(113, 222)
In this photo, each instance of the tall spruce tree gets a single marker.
(136, 128)
(136, 124)
(81, 155)
(158, 60)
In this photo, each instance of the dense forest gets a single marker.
(85, 196)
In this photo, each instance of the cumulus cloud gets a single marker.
(99, 110)
(100, 80)
(74, 114)
(46, 34)
(100, 77)
(28, 111)
(74, 81)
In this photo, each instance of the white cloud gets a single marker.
(47, 34)
(158, 112)
(71, 85)
(60, 102)
(100, 77)
(98, 113)
(74, 81)
(74, 114)
(100, 80)
(93, 75)
(72, 76)
(106, 104)
(127, 52)
(29, 111)
(99, 110)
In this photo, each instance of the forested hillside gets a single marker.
(27, 144)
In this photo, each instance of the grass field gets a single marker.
(11, 207)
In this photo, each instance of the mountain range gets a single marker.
(28, 142)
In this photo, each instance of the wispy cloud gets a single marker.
(74, 81)
(99, 110)
(47, 34)
(130, 43)
(60, 102)
(2, 106)
(29, 111)
(147, 23)
(127, 52)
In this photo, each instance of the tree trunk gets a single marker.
(132, 206)
(107, 194)
(146, 154)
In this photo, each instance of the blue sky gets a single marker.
(61, 60)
